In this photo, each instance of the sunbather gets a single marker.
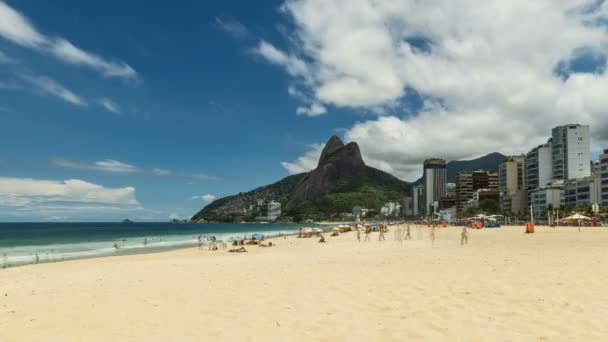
(238, 250)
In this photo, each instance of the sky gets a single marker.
(113, 110)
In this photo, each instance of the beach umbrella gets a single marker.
(257, 235)
(577, 217)
(317, 230)
(336, 229)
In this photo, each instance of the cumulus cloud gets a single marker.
(49, 86)
(488, 73)
(208, 198)
(110, 105)
(315, 109)
(18, 29)
(306, 162)
(72, 199)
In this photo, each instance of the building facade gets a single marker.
(435, 179)
(581, 192)
(539, 168)
(408, 206)
(604, 178)
(571, 152)
(513, 185)
(549, 196)
(468, 182)
(418, 200)
(274, 210)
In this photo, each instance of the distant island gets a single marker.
(126, 221)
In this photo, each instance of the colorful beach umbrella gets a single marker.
(257, 235)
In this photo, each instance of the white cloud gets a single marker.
(116, 166)
(161, 172)
(293, 65)
(15, 27)
(306, 162)
(110, 105)
(47, 85)
(315, 109)
(108, 165)
(208, 198)
(486, 71)
(231, 26)
(33, 193)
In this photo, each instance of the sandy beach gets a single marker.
(503, 286)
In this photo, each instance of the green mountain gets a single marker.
(340, 182)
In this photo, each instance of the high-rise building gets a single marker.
(408, 206)
(570, 150)
(604, 178)
(539, 168)
(418, 200)
(274, 210)
(468, 182)
(435, 179)
(513, 184)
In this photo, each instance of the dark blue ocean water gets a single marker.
(23, 243)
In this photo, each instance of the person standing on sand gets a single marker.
(464, 236)
(381, 236)
(358, 235)
(433, 234)
(368, 230)
(408, 236)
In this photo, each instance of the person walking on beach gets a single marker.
(408, 235)
(464, 236)
(368, 230)
(200, 243)
(358, 235)
(433, 234)
(381, 236)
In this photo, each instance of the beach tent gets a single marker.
(577, 217)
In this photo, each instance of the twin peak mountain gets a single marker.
(340, 181)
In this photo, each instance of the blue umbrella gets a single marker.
(257, 235)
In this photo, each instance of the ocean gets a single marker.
(27, 243)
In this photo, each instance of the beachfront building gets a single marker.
(571, 152)
(539, 168)
(604, 178)
(274, 210)
(581, 192)
(512, 184)
(418, 200)
(468, 182)
(434, 180)
(408, 206)
(547, 197)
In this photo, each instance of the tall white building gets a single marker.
(435, 179)
(571, 152)
(539, 168)
(274, 210)
(604, 178)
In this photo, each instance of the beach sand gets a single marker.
(503, 286)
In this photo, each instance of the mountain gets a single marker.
(488, 162)
(340, 181)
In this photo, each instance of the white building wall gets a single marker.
(579, 152)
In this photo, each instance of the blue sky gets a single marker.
(201, 102)
(149, 106)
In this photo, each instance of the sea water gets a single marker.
(26, 243)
